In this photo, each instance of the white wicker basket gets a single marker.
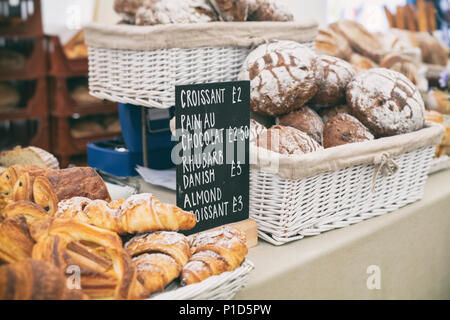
(147, 77)
(220, 287)
(290, 209)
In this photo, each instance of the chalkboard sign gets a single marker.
(212, 153)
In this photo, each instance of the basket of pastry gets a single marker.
(331, 146)
(94, 248)
(164, 43)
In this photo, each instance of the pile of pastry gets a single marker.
(319, 101)
(153, 12)
(66, 239)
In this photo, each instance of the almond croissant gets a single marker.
(214, 252)
(137, 214)
(145, 213)
(159, 258)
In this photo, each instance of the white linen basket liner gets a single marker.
(306, 195)
(220, 287)
(141, 65)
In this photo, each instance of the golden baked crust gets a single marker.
(106, 268)
(35, 280)
(145, 213)
(333, 44)
(216, 251)
(159, 257)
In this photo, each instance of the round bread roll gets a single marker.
(361, 40)
(268, 10)
(328, 113)
(174, 11)
(335, 74)
(231, 10)
(282, 77)
(343, 129)
(287, 140)
(386, 102)
(304, 119)
(402, 64)
(333, 44)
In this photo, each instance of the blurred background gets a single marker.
(44, 96)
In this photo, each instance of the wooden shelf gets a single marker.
(29, 28)
(35, 66)
(63, 105)
(36, 105)
(60, 65)
(64, 145)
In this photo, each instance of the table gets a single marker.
(409, 249)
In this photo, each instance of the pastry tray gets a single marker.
(220, 287)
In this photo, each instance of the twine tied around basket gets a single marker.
(384, 164)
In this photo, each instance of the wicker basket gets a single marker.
(145, 70)
(220, 287)
(289, 209)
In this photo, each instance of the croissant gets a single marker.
(16, 241)
(9, 178)
(23, 188)
(159, 258)
(145, 213)
(214, 252)
(98, 213)
(57, 185)
(35, 280)
(106, 269)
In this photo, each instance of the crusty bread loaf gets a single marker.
(328, 113)
(333, 44)
(174, 11)
(231, 10)
(343, 129)
(361, 40)
(386, 102)
(334, 76)
(268, 10)
(287, 140)
(403, 64)
(28, 156)
(361, 63)
(304, 119)
(283, 77)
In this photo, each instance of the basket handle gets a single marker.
(385, 164)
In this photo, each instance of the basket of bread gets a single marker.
(164, 43)
(63, 237)
(331, 145)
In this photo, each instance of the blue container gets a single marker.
(159, 137)
(112, 157)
